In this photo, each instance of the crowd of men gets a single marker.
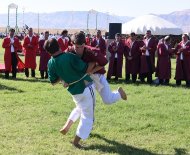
(139, 55)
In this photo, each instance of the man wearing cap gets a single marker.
(11, 45)
(163, 70)
(30, 45)
(99, 42)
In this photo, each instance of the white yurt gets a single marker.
(157, 25)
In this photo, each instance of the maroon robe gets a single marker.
(132, 66)
(101, 45)
(163, 70)
(91, 54)
(44, 56)
(183, 67)
(152, 45)
(116, 70)
(30, 51)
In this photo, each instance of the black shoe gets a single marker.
(116, 79)
(108, 78)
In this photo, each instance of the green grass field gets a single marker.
(154, 120)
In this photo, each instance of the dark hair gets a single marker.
(46, 32)
(132, 34)
(51, 46)
(118, 34)
(11, 30)
(148, 31)
(79, 38)
(64, 32)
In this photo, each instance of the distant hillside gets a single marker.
(65, 19)
(78, 19)
(179, 18)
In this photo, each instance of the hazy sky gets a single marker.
(132, 8)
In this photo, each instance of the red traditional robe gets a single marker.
(112, 71)
(152, 45)
(183, 67)
(101, 44)
(163, 62)
(132, 66)
(30, 51)
(91, 54)
(63, 44)
(7, 54)
(88, 41)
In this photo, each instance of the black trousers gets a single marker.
(178, 83)
(42, 74)
(14, 63)
(27, 72)
(149, 74)
(134, 77)
(162, 81)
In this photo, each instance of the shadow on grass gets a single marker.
(30, 79)
(180, 151)
(139, 83)
(3, 87)
(116, 147)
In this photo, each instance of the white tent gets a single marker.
(157, 25)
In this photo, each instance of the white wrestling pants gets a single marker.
(85, 103)
(106, 94)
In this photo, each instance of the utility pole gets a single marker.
(38, 23)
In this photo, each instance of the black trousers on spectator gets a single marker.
(134, 77)
(42, 74)
(14, 63)
(149, 74)
(27, 72)
(178, 83)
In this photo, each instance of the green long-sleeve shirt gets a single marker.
(70, 68)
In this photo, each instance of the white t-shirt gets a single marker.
(12, 47)
(146, 43)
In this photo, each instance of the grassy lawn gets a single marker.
(154, 120)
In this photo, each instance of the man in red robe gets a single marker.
(163, 70)
(63, 41)
(88, 40)
(183, 61)
(11, 59)
(31, 46)
(44, 56)
(147, 66)
(116, 49)
(99, 42)
(132, 57)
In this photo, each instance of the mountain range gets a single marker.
(83, 19)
